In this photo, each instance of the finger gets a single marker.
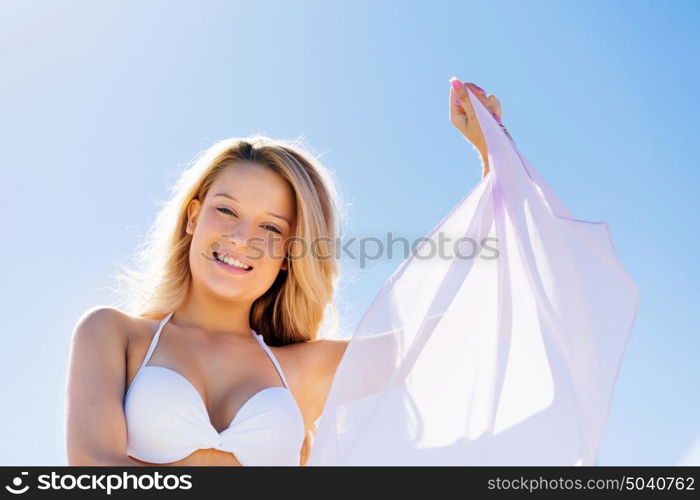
(455, 104)
(461, 91)
(479, 93)
(489, 101)
(495, 107)
(496, 104)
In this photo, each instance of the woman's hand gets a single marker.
(463, 117)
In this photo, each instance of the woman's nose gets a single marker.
(239, 234)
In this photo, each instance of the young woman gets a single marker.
(216, 357)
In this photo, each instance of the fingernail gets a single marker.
(456, 84)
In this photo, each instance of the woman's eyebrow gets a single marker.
(226, 195)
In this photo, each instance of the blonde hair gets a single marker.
(300, 300)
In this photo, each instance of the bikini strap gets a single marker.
(261, 341)
(154, 341)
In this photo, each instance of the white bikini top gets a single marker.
(167, 419)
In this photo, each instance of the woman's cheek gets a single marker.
(271, 248)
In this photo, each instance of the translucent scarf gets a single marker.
(506, 358)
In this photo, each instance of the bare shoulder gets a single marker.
(321, 356)
(327, 350)
(109, 325)
(100, 321)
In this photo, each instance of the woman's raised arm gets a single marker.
(464, 119)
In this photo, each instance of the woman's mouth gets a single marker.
(230, 264)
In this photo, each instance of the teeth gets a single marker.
(232, 262)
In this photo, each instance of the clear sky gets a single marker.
(102, 103)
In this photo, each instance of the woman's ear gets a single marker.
(193, 208)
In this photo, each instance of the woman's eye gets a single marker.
(274, 229)
(226, 210)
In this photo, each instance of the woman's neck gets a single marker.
(213, 315)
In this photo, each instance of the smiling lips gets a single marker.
(233, 262)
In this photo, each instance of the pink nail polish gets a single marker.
(456, 84)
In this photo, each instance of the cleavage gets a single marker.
(222, 358)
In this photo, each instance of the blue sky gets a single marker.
(101, 103)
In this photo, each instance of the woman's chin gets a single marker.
(234, 287)
(233, 294)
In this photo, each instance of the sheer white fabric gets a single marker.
(509, 360)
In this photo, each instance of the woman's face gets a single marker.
(248, 214)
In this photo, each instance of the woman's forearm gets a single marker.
(484, 163)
